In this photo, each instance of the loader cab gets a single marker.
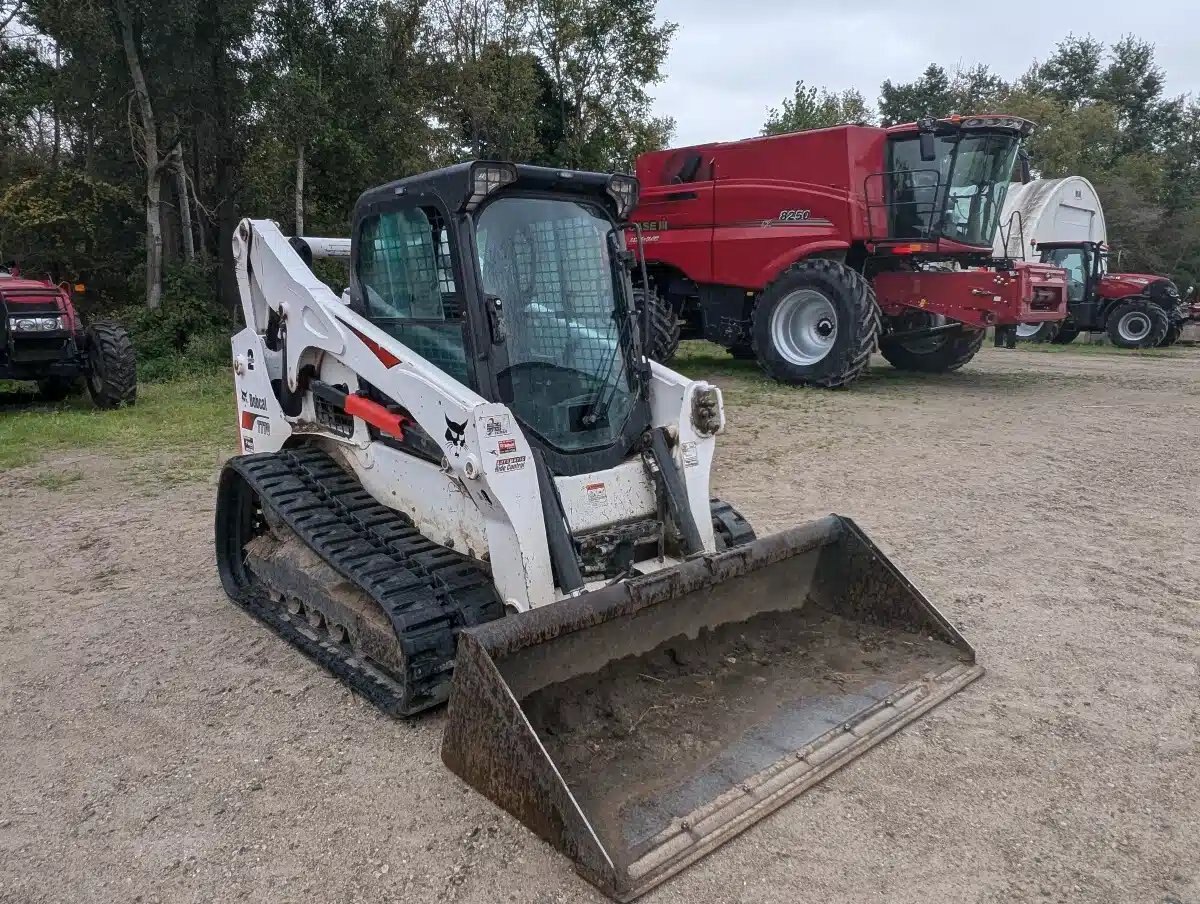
(945, 181)
(514, 280)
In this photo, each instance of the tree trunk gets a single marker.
(57, 122)
(185, 206)
(300, 187)
(154, 240)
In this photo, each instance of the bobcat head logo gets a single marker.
(456, 434)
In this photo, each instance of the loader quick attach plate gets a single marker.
(639, 727)
(426, 592)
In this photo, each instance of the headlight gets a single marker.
(487, 178)
(623, 190)
(36, 324)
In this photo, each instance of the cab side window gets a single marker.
(406, 280)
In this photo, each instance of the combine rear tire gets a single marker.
(1137, 323)
(934, 354)
(1173, 333)
(1047, 331)
(55, 389)
(112, 365)
(815, 325)
(663, 342)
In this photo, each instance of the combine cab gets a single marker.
(805, 251)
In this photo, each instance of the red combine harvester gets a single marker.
(43, 341)
(806, 251)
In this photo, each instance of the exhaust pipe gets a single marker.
(639, 727)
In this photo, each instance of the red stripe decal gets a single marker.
(385, 357)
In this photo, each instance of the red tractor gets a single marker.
(807, 251)
(1136, 310)
(42, 340)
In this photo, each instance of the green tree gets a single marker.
(600, 56)
(68, 226)
(811, 107)
(938, 93)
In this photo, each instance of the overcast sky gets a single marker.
(732, 59)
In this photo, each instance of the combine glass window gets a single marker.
(407, 285)
(959, 195)
(565, 373)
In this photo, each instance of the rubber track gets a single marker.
(428, 592)
(729, 525)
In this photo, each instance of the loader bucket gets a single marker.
(638, 727)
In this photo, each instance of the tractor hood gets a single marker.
(20, 296)
(1121, 285)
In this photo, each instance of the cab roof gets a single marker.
(453, 186)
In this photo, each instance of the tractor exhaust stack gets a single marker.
(639, 727)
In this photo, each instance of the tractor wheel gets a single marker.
(1065, 336)
(1173, 333)
(55, 389)
(112, 365)
(935, 354)
(1046, 331)
(1137, 323)
(663, 341)
(815, 325)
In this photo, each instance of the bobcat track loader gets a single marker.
(463, 480)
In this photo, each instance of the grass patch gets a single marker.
(57, 480)
(192, 418)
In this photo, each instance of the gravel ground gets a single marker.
(157, 745)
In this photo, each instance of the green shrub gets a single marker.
(188, 335)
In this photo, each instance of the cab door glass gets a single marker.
(1072, 260)
(406, 280)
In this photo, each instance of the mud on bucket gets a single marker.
(639, 727)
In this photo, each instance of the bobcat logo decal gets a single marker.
(456, 434)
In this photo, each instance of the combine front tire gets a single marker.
(112, 365)
(1046, 331)
(935, 354)
(663, 341)
(1137, 323)
(815, 325)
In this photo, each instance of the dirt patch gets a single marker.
(159, 745)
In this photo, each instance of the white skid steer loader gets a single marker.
(464, 480)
